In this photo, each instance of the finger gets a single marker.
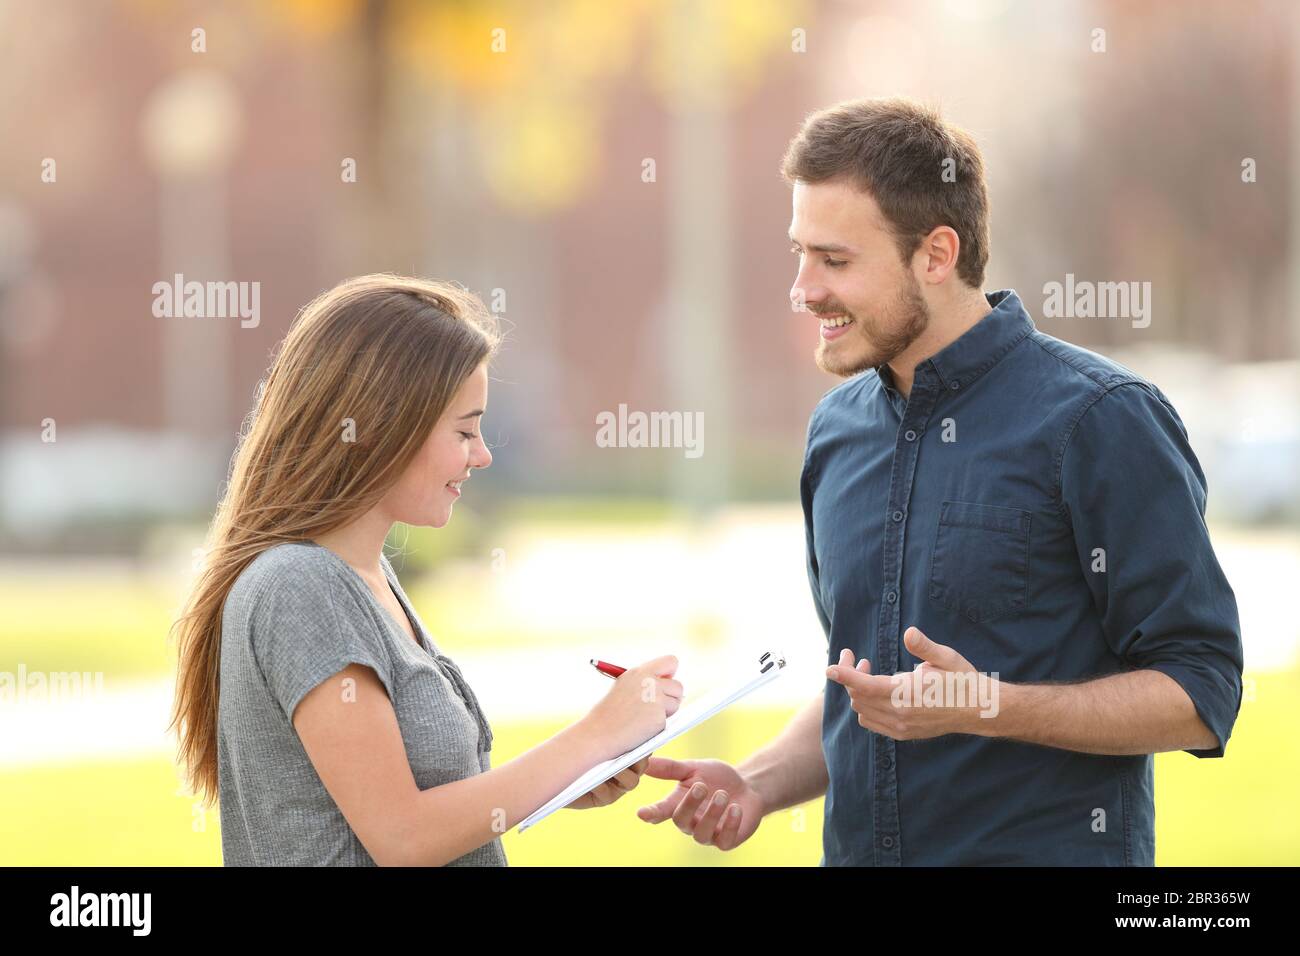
(877, 720)
(869, 721)
(684, 815)
(661, 811)
(846, 660)
(707, 823)
(864, 666)
(665, 768)
(671, 688)
(852, 678)
(626, 779)
(665, 666)
(728, 832)
(876, 687)
(640, 765)
(927, 650)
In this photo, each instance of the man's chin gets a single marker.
(843, 361)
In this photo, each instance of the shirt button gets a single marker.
(891, 597)
(887, 842)
(898, 516)
(910, 435)
(889, 763)
(955, 385)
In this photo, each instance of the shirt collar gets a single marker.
(979, 348)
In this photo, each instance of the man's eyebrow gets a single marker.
(826, 247)
(472, 414)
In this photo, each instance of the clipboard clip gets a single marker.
(778, 662)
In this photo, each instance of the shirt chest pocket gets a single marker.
(980, 565)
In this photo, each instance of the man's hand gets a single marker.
(712, 802)
(943, 695)
(624, 781)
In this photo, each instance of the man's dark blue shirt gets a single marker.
(1037, 507)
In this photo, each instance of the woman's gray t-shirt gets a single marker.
(297, 615)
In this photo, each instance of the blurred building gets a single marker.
(606, 176)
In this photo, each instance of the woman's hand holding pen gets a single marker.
(636, 708)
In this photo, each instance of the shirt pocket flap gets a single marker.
(980, 565)
(970, 514)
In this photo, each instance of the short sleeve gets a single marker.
(306, 626)
(1135, 495)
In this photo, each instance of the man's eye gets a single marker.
(835, 263)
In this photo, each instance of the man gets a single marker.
(1004, 531)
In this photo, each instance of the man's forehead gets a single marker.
(834, 211)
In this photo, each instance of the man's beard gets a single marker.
(908, 316)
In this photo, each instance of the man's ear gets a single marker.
(942, 247)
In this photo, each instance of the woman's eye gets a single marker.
(468, 436)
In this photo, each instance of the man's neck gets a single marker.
(946, 326)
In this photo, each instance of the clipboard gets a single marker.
(689, 716)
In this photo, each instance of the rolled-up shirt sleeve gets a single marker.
(1135, 495)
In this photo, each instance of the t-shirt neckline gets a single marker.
(392, 585)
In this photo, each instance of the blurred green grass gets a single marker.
(87, 622)
(1237, 810)
(1233, 811)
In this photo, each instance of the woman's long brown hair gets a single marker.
(359, 382)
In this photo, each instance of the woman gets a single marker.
(310, 699)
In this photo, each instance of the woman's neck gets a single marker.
(361, 543)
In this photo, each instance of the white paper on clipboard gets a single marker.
(692, 714)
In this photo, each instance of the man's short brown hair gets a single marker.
(898, 151)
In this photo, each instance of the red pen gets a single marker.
(609, 670)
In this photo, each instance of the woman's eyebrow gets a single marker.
(471, 414)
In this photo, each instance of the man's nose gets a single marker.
(802, 296)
